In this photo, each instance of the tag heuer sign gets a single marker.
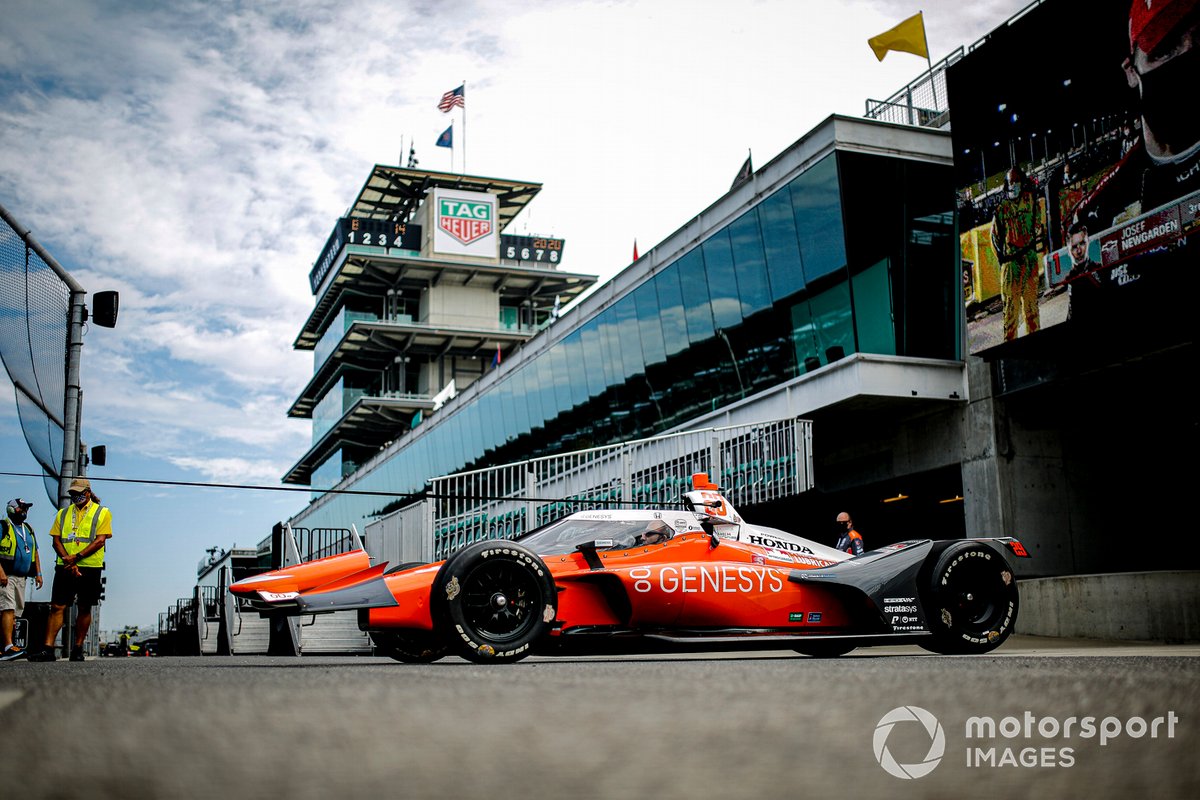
(465, 220)
(464, 223)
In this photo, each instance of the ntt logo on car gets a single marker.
(1028, 738)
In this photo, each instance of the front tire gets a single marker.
(971, 601)
(493, 601)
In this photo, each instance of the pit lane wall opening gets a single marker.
(754, 463)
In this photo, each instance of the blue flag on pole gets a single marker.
(447, 138)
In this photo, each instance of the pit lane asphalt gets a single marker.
(741, 725)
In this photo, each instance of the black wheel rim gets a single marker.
(499, 601)
(975, 595)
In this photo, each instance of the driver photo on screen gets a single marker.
(1163, 67)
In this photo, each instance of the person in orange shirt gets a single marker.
(849, 540)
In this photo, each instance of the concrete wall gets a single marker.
(1148, 606)
(1014, 478)
(468, 306)
(436, 375)
(1092, 474)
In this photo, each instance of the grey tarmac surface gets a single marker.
(742, 725)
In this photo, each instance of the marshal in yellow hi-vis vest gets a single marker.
(77, 529)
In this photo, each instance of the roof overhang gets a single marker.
(370, 421)
(372, 274)
(374, 345)
(856, 383)
(395, 193)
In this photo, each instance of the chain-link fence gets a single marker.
(36, 301)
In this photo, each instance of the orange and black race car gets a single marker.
(627, 581)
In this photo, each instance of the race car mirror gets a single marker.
(589, 551)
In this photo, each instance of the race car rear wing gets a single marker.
(1009, 543)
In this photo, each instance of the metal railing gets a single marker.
(302, 545)
(752, 463)
(921, 102)
(210, 601)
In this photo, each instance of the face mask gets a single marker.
(1164, 90)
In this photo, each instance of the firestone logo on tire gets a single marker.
(932, 728)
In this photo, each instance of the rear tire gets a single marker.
(971, 602)
(493, 601)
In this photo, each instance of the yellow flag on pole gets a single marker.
(907, 37)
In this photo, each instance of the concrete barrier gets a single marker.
(1148, 606)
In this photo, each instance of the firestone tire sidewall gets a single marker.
(979, 569)
(452, 616)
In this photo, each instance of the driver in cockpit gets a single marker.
(656, 532)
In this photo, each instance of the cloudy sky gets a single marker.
(194, 156)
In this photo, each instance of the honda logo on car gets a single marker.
(763, 541)
(464, 220)
(697, 578)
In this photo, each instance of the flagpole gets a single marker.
(929, 61)
(452, 145)
(464, 117)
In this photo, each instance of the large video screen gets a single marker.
(1077, 160)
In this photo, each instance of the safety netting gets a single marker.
(34, 325)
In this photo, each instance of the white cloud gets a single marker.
(195, 156)
(233, 470)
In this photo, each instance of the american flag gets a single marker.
(452, 98)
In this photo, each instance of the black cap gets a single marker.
(18, 506)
